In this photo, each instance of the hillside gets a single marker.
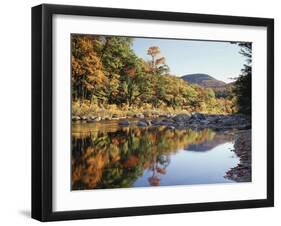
(204, 80)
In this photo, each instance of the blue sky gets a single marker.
(218, 59)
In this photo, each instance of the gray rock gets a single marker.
(75, 118)
(156, 122)
(97, 119)
(181, 118)
(124, 123)
(215, 119)
(198, 116)
(162, 123)
(220, 128)
(170, 115)
(229, 121)
(106, 117)
(92, 117)
(142, 124)
(205, 121)
(84, 118)
(115, 116)
(180, 124)
(168, 120)
(244, 126)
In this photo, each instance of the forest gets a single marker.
(108, 78)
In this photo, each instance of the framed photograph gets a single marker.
(146, 112)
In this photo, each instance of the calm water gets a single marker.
(105, 155)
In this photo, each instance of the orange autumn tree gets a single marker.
(87, 74)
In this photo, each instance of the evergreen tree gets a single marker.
(243, 85)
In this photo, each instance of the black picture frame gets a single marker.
(42, 107)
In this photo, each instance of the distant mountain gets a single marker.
(204, 80)
(207, 145)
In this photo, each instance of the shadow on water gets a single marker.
(105, 155)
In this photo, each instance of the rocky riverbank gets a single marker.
(195, 121)
(242, 148)
(179, 121)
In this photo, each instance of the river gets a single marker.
(106, 155)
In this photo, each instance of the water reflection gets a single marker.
(105, 155)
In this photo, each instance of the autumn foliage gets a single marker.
(106, 72)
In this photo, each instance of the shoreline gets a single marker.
(242, 148)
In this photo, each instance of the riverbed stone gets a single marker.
(198, 116)
(205, 122)
(92, 117)
(181, 117)
(168, 120)
(124, 123)
(75, 118)
(156, 122)
(229, 121)
(242, 147)
(84, 118)
(106, 117)
(97, 119)
(142, 124)
(171, 115)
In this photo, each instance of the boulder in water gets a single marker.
(181, 117)
(198, 116)
(124, 123)
(142, 124)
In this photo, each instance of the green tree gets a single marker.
(243, 85)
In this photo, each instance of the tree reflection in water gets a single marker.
(158, 167)
(117, 157)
